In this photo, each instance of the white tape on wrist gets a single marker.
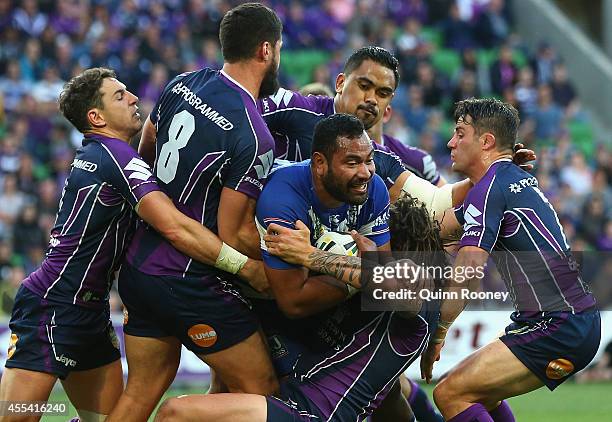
(230, 259)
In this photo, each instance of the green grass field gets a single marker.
(569, 403)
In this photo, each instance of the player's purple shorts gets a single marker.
(58, 338)
(207, 314)
(555, 346)
(294, 406)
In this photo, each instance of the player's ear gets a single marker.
(266, 51)
(488, 141)
(340, 83)
(387, 114)
(95, 118)
(319, 164)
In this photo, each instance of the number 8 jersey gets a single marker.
(210, 135)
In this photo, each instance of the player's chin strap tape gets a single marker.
(436, 200)
(87, 416)
(230, 259)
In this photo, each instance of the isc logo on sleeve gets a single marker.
(138, 169)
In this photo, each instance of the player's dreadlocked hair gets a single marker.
(414, 234)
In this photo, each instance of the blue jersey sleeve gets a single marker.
(279, 203)
(482, 215)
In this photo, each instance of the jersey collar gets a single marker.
(238, 85)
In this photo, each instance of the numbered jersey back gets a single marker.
(209, 136)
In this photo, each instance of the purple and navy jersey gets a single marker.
(414, 159)
(210, 135)
(289, 196)
(94, 223)
(507, 213)
(292, 118)
(347, 382)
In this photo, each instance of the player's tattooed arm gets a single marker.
(341, 267)
(294, 246)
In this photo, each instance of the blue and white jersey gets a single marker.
(292, 118)
(94, 223)
(210, 135)
(507, 213)
(289, 196)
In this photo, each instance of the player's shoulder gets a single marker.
(104, 149)
(287, 186)
(207, 86)
(516, 182)
(493, 185)
(284, 100)
(384, 152)
(290, 174)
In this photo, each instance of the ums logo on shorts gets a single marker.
(12, 346)
(203, 335)
(559, 368)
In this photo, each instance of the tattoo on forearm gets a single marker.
(345, 268)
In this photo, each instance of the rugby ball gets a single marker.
(338, 243)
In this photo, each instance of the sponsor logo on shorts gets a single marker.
(12, 346)
(277, 348)
(66, 360)
(559, 368)
(203, 335)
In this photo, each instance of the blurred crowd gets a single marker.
(448, 50)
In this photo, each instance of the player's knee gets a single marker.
(442, 393)
(169, 410)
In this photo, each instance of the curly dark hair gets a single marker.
(415, 235)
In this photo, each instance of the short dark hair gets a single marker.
(81, 94)
(378, 55)
(245, 27)
(491, 115)
(328, 130)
